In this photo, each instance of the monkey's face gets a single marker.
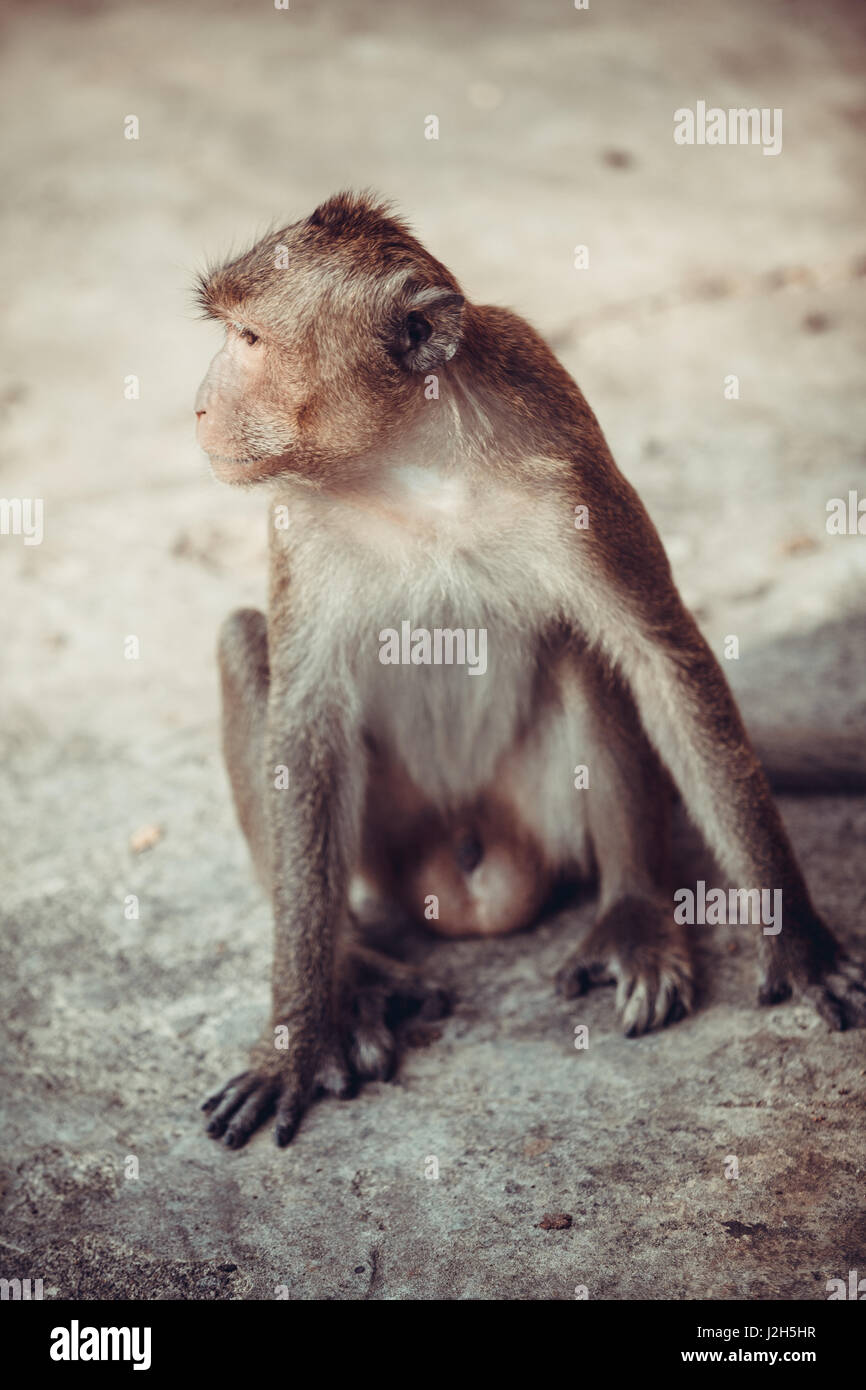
(328, 345)
(234, 424)
(291, 388)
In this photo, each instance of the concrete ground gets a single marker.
(555, 130)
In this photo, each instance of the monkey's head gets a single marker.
(332, 325)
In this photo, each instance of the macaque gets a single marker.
(411, 783)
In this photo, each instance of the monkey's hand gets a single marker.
(638, 947)
(811, 962)
(376, 996)
(275, 1082)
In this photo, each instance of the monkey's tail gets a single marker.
(804, 761)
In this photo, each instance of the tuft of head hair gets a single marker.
(374, 237)
(356, 233)
(351, 214)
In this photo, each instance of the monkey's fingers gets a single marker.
(290, 1109)
(241, 1106)
(213, 1101)
(255, 1109)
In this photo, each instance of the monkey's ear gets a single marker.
(427, 331)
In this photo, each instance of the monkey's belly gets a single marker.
(476, 872)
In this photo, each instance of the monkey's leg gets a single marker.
(635, 942)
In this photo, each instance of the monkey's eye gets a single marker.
(246, 333)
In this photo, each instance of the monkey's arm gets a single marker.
(308, 829)
(629, 604)
(312, 835)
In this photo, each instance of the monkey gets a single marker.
(425, 459)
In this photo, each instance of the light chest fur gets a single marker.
(436, 555)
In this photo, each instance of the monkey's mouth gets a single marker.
(236, 462)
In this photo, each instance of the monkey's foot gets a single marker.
(377, 995)
(812, 963)
(638, 947)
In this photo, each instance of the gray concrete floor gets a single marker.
(555, 129)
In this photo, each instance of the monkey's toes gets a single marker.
(373, 1053)
(774, 989)
(370, 1044)
(415, 999)
(636, 945)
(648, 995)
(334, 1076)
(840, 997)
(374, 1018)
(578, 976)
(654, 999)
